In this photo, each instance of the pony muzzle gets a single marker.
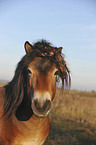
(41, 104)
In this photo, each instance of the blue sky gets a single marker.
(67, 23)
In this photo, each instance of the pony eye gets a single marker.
(29, 72)
(56, 73)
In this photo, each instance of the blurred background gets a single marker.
(70, 24)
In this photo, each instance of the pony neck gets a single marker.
(26, 132)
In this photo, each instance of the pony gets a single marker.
(25, 102)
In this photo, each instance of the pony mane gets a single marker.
(16, 90)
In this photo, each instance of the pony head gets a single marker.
(33, 86)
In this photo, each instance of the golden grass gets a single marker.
(2, 84)
(78, 105)
(73, 119)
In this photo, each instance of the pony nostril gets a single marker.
(37, 105)
(47, 105)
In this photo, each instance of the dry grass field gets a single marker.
(73, 119)
(2, 84)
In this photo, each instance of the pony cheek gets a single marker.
(53, 90)
(53, 93)
(34, 82)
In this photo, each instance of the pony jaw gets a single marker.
(41, 104)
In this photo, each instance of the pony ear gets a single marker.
(28, 47)
(59, 50)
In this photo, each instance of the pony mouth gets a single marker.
(40, 115)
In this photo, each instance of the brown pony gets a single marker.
(25, 102)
